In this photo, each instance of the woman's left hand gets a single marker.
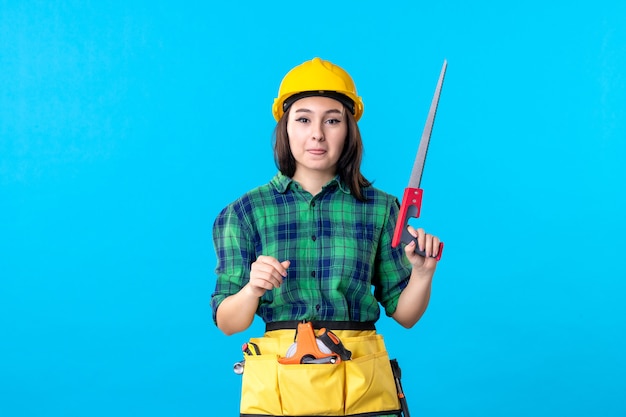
(427, 243)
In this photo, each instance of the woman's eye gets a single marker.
(302, 120)
(333, 121)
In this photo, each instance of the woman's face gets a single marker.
(317, 130)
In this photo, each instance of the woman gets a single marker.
(307, 247)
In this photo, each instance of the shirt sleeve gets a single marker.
(393, 269)
(234, 250)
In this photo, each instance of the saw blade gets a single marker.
(420, 159)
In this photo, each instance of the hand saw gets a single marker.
(412, 198)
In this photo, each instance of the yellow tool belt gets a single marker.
(363, 385)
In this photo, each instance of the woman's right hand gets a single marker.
(266, 273)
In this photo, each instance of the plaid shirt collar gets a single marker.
(283, 183)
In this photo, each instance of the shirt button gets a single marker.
(313, 274)
(317, 307)
(313, 204)
(314, 238)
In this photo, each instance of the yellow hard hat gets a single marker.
(317, 77)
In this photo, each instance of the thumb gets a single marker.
(286, 264)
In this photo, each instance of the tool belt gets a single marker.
(334, 325)
(318, 371)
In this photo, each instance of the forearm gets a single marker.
(414, 299)
(236, 312)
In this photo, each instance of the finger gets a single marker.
(409, 249)
(421, 237)
(268, 268)
(436, 244)
(415, 233)
(265, 281)
(274, 263)
(284, 265)
(428, 245)
(264, 284)
(264, 272)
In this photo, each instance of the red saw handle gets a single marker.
(411, 205)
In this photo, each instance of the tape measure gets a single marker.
(311, 348)
(332, 342)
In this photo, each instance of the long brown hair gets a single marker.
(348, 166)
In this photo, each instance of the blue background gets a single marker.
(126, 126)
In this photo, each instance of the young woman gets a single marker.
(308, 247)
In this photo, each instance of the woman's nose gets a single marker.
(318, 133)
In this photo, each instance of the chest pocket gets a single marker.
(356, 236)
(353, 248)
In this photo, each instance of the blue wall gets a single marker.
(126, 126)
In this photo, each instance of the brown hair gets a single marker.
(348, 166)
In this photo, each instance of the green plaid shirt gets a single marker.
(339, 248)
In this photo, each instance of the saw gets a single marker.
(412, 198)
